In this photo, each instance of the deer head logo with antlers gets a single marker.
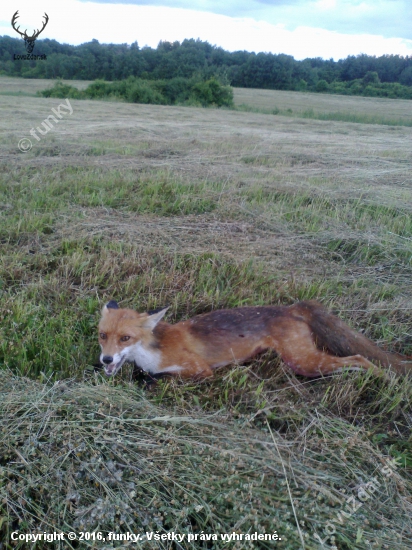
(28, 40)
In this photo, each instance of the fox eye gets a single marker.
(124, 338)
(103, 336)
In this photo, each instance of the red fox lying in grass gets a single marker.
(309, 339)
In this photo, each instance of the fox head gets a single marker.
(123, 332)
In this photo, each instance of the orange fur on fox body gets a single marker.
(309, 339)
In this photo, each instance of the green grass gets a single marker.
(164, 194)
(360, 110)
(357, 118)
(337, 116)
(53, 274)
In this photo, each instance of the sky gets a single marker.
(301, 28)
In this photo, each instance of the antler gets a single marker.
(46, 17)
(13, 21)
(24, 34)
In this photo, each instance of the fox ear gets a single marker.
(110, 305)
(153, 311)
(152, 320)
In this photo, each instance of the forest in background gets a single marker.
(384, 76)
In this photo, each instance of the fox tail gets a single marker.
(332, 334)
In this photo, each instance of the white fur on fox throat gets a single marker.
(147, 360)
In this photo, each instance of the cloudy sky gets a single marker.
(302, 28)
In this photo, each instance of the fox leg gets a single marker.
(193, 366)
(299, 352)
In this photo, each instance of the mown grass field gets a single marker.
(368, 110)
(202, 209)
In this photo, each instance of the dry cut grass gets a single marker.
(93, 457)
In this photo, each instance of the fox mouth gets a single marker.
(113, 368)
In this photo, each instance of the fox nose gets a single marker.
(107, 359)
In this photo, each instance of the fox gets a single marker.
(308, 338)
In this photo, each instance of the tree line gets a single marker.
(385, 76)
